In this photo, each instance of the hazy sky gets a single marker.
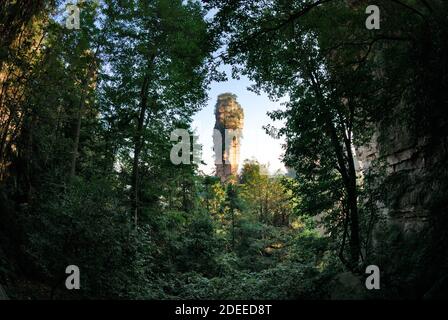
(256, 144)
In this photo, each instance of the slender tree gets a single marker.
(157, 77)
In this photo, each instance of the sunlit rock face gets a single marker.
(229, 123)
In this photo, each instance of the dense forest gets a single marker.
(87, 111)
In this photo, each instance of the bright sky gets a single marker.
(256, 144)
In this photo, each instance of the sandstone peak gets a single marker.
(229, 118)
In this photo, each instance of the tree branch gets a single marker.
(409, 8)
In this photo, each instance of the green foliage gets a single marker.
(199, 246)
(292, 278)
(85, 123)
(85, 224)
(267, 197)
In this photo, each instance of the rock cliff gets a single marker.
(227, 136)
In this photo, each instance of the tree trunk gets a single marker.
(76, 139)
(346, 168)
(138, 148)
(233, 229)
(348, 174)
(85, 88)
(352, 193)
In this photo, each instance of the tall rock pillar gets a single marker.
(227, 135)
